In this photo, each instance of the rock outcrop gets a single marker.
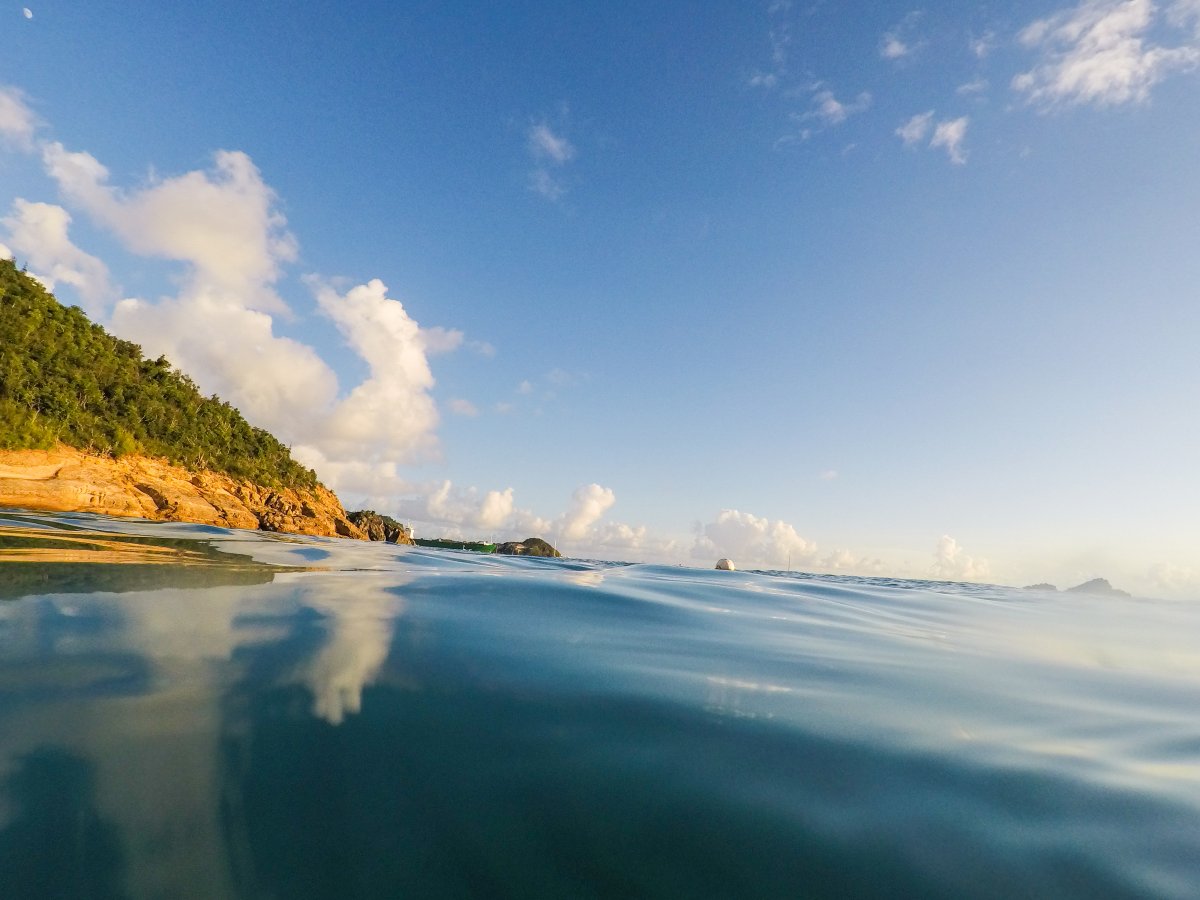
(69, 480)
(527, 547)
(380, 528)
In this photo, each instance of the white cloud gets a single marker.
(829, 475)
(390, 416)
(525, 387)
(831, 111)
(544, 144)
(543, 183)
(17, 121)
(891, 47)
(952, 564)
(461, 407)
(899, 42)
(1183, 13)
(752, 541)
(949, 135)
(549, 150)
(482, 348)
(222, 222)
(440, 340)
(496, 509)
(27, 12)
(588, 504)
(278, 384)
(1175, 580)
(915, 129)
(38, 231)
(844, 560)
(466, 512)
(630, 543)
(1098, 53)
(975, 86)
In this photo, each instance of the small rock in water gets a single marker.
(726, 564)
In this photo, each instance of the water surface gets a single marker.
(194, 712)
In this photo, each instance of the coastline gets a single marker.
(69, 480)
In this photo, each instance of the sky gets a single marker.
(875, 289)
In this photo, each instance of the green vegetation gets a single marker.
(446, 544)
(64, 379)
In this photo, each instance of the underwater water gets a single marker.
(192, 712)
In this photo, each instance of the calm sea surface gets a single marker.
(192, 712)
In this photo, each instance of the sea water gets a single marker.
(187, 711)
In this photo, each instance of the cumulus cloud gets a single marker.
(1099, 53)
(915, 130)
(588, 504)
(844, 560)
(455, 511)
(949, 136)
(461, 407)
(630, 543)
(750, 540)
(391, 414)
(223, 222)
(38, 231)
(952, 564)
(972, 87)
(17, 121)
(278, 383)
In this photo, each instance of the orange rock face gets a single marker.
(68, 480)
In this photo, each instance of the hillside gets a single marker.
(88, 424)
(66, 380)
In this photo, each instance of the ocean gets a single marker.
(187, 711)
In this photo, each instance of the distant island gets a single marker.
(528, 547)
(1097, 586)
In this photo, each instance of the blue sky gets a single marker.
(875, 288)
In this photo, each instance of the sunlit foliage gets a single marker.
(64, 379)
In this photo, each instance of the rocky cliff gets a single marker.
(380, 528)
(527, 547)
(68, 480)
